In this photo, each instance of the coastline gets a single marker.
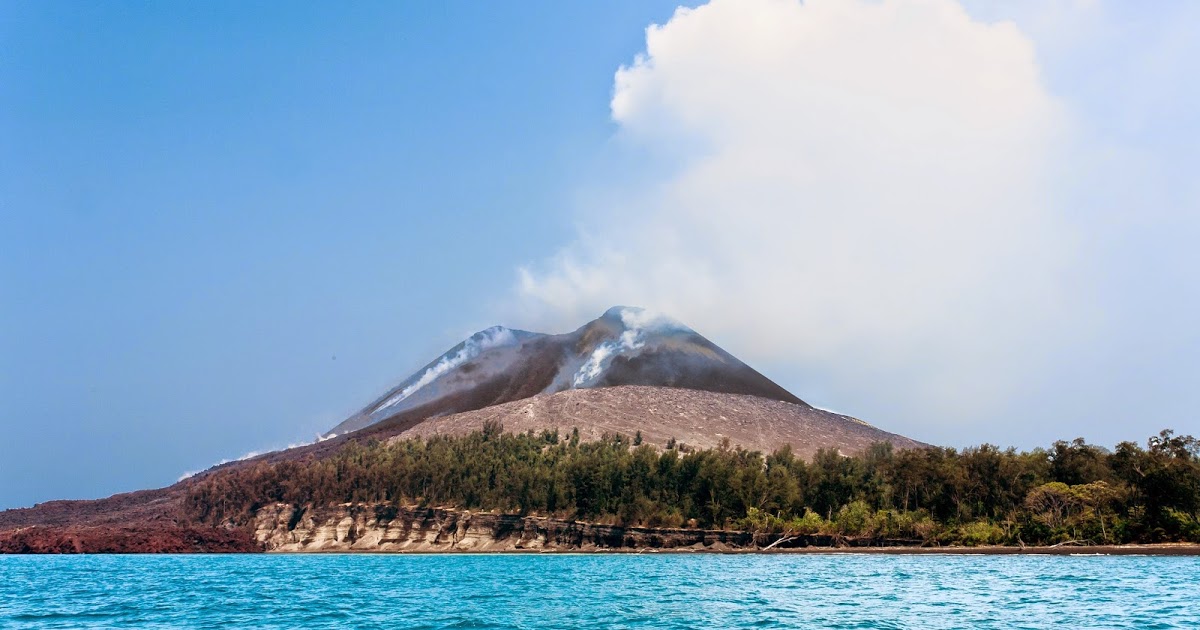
(1159, 549)
(387, 529)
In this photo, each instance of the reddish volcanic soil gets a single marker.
(135, 522)
(143, 507)
(111, 539)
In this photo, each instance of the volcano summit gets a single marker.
(624, 346)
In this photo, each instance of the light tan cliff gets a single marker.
(382, 528)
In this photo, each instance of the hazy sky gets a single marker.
(225, 227)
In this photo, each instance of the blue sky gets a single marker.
(202, 207)
(223, 227)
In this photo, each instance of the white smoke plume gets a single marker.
(255, 453)
(636, 322)
(858, 188)
(475, 345)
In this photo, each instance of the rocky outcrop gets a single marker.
(387, 528)
(348, 527)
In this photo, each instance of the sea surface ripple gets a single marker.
(598, 591)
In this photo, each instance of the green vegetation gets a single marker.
(1072, 492)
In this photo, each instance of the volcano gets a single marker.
(624, 346)
(630, 372)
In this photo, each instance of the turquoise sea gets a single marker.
(599, 591)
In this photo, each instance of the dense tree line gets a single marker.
(1073, 491)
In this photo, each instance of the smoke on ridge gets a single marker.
(636, 322)
(473, 346)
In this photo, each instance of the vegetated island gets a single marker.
(633, 432)
(493, 491)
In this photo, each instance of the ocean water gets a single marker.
(599, 591)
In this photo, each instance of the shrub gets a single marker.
(854, 519)
(980, 533)
(809, 524)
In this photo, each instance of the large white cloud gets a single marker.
(857, 189)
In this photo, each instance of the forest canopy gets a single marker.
(1070, 492)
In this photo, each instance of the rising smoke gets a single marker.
(494, 337)
(862, 190)
(637, 323)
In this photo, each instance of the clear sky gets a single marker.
(226, 226)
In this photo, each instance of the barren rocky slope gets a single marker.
(696, 418)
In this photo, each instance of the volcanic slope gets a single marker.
(624, 346)
(661, 415)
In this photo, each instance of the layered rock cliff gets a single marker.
(385, 528)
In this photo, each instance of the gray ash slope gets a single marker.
(624, 346)
(629, 370)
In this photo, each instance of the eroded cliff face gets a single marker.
(386, 528)
(284, 528)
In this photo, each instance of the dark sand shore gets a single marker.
(1165, 549)
(1169, 549)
